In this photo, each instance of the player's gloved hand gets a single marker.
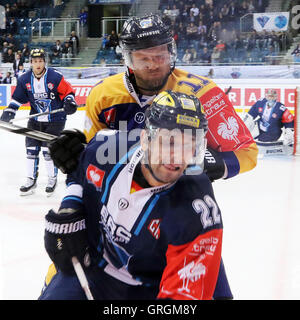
(70, 106)
(214, 165)
(7, 116)
(66, 149)
(65, 237)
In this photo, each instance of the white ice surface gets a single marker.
(261, 216)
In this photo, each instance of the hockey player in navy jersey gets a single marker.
(46, 90)
(139, 226)
(268, 120)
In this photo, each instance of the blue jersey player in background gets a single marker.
(46, 90)
(268, 120)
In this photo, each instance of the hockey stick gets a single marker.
(35, 134)
(37, 115)
(43, 114)
(228, 90)
(82, 278)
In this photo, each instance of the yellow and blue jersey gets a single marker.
(113, 103)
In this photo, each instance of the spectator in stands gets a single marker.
(74, 42)
(83, 16)
(296, 53)
(174, 13)
(25, 52)
(7, 79)
(232, 14)
(102, 62)
(5, 48)
(9, 56)
(187, 56)
(243, 9)
(12, 26)
(205, 56)
(11, 41)
(194, 55)
(104, 42)
(202, 38)
(18, 62)
(184, 15)
(181, 32)
(191, 31)
(66, 52)
(56, 51)
(113, 40)
(194, 10)
(215, 56)
(200, 27)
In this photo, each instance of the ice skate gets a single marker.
(51, 186)
(28, 187)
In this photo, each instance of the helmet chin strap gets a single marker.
(146, 156)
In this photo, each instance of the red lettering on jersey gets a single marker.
(95, 176)
(153, 227)
(192, 269)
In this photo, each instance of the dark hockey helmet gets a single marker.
(37, 53)
(146, 32)
(174, 110)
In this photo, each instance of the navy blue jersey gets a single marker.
(169, 237)
(271, 119)
(44, 94)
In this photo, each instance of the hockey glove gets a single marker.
(7, 116)
(70, 105)
(65, 237)
(66, 149)
(214, 165)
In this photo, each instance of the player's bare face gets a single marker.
(151, 66)
(38, 66)
(169, 154)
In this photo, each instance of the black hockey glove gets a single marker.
(214, 165)
(7, 116)
(66, 149)
(70, 105)
(65, 237)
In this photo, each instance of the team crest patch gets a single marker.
(274, 115)
(95, 176)
(146, 23)
(50, 86)
(28, 86)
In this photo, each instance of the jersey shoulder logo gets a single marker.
(229, 128)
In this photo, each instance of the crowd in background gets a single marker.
(205, 31)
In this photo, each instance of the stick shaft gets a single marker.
(35, 134)
(37, 115)
(82, 278)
